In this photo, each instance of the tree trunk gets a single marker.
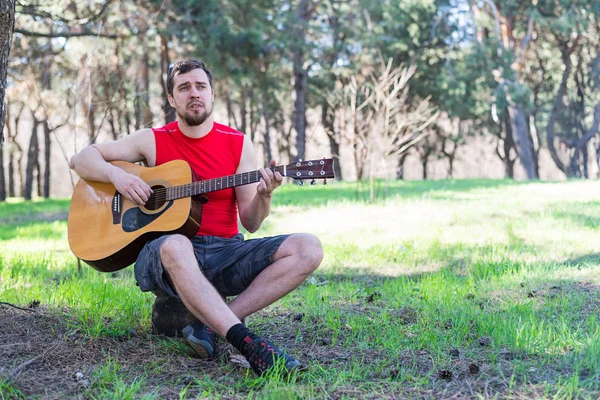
(122, 112)
(38, 175)
(335, 154)
(11, 175)
(2, 176)
(400, 171)
(328, 124)
(521, 137)
(7, 25)
(244, 112)
(47, 147)
(558, 104)
(165, 62)
(300, 77)
(32, 160)
(585, 158)
(267, 142)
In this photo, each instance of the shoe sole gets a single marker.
(199, 346)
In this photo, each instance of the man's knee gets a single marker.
(309, 251)
(173, 248)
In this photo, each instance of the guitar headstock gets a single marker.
(311, 169)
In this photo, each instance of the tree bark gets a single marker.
(508, 144)
(400, 171)
(122, 112)
(32, 160)
(558, 104)
(7, 26)
(2, 176)
(47, 146)
(300, 78)
(267, 142)
(522, 139)
(165, 62)
(327, 120)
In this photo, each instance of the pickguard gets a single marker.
(135, 219)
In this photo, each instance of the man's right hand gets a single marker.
(130, 186)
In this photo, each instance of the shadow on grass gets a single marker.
(582, 214)
(593, 258)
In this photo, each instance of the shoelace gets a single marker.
(256, 355)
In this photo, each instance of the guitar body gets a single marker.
(107, 231)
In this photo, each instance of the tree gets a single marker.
(7, 25)
(377, 115)
(572, 68)
(505, 31)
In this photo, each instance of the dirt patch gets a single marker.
(43, 357)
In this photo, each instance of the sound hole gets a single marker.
(157, 199)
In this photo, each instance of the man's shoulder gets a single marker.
(170, 127)
(225, 129)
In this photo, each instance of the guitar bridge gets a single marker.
(117, 202)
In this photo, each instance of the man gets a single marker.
(217, 261)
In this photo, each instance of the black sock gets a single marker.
(237, 335)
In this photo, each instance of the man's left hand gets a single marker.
(269, 182)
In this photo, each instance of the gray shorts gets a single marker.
(229, 264)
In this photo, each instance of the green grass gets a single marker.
(470, 288)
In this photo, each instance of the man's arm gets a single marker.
(91, 163)
(254, 200)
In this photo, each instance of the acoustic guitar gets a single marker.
(107, 231)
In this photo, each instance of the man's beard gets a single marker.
(195, 119)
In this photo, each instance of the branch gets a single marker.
(29, 9)
(555, 110)
(526, 39)
(592, 131)
(15, 372)
(69, 34)
(3, 303)
(496, 17)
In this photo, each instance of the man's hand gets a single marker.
(130, 186)
(269, 182)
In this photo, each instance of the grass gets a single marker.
(466, 288)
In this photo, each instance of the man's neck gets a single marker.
(196, 132)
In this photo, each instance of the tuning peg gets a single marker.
(300, 182)
(313, 182)
(324, 181)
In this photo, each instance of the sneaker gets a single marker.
(201, 339)
(262, 355)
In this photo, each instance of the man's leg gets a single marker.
(297, 257)
(202, 299)
(197, 293)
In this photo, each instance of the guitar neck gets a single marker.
(212, 185)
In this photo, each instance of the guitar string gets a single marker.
(160, 195)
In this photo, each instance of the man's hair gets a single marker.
(181, 67)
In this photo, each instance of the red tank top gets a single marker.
(212, 156)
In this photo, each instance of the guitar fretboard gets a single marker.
(212, 185)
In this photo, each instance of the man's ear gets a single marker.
(171, 101)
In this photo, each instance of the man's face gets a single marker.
(192, 97)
